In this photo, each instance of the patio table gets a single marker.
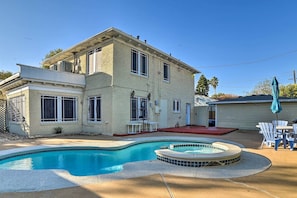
(285, 130)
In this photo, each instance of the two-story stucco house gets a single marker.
(111, 83)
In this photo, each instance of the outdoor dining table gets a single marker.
(285, 130)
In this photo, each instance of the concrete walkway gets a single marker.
(278, 181)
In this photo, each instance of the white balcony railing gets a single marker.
(51, 76)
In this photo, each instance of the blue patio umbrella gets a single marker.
(275, 106)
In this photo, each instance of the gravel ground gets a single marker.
(6, 137)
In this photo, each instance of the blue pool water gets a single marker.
(85, 162)
(198, 149)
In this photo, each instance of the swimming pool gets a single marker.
(84, 162)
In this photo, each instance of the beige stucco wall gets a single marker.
(33, 125)
(180, 86)
(116, 82)
(246, 116)
(120, 110)
(21, 128)
(101, 84)
(201, 115)
(124, 82)
(107, 56)
(98, 84)
(83, 62)
(41, 128)
(114, 85)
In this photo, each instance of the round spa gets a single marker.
(200, 154)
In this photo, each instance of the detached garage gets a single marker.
(246, 112)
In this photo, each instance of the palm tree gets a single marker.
(214, 83)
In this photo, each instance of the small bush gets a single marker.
(58, 130)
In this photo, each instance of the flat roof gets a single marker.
(252, 99)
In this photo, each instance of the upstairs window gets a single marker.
(139, 63)
(176, 106)
(166, 72)
(94, 62)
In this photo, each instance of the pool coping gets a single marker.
(38, 180)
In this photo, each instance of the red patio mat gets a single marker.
(199, 130)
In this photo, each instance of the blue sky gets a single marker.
(241, 42)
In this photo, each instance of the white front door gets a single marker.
(188, 114)
(163, 114)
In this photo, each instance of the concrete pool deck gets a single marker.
(55, 179)
(279, 180)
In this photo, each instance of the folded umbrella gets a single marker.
(275, 106)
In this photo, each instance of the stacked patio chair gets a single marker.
(292, 137)
(270, 135)
(279, 123)
(287, 136)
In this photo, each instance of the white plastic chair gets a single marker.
(270, 135)
(260, 132)
(292, 137)
(279, 123)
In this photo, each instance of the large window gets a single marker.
(166, 72)
(94, 61)
(139, 63)
(49, 109)
(138, 109)
(176, 106)
(16, 108)
(94, 109)
(58, 109)
(68, 109)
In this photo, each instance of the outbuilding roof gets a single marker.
(252, 99)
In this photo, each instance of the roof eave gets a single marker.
(114, 33)
(9, 81)
(251, 102)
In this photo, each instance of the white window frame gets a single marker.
(95, 117)
(47, 118)
(59, 111)
(17, 109)
(66, 112)
(166, 70)
(139, 63)
(141, 109)
(96, 62)
(176, 106)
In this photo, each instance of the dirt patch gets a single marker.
(7, 137)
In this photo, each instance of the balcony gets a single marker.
(45, 76)
(37, 74)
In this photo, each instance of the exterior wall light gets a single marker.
(132, 94)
